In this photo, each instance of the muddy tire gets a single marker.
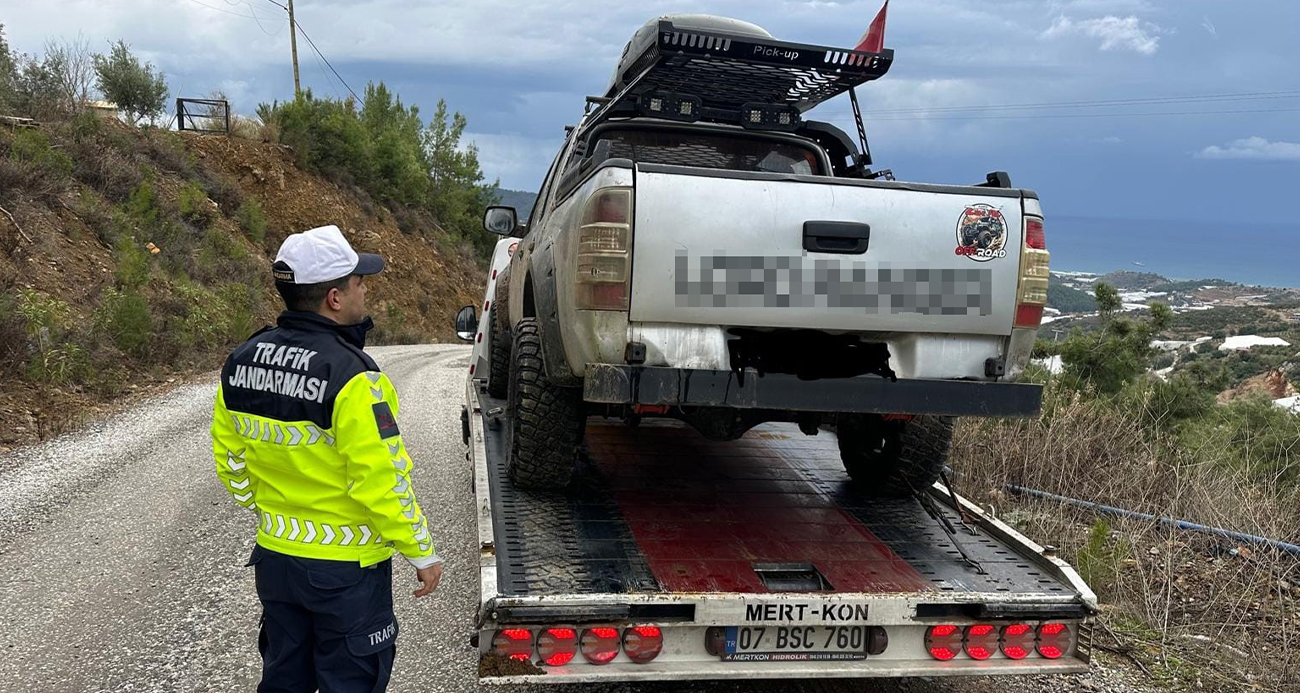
(547, 421)
(500, 341)
(894, 459)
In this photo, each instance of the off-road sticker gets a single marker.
(982, 233)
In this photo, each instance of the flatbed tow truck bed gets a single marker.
(736, 554)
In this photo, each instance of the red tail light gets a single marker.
(642, 644)
(943, 642)
(515, 643)
(1053, 640)
(557, 646)
(1029, 315)
(1031, 292)
(981, 641)
(1017, 640)
(1034, 233)
(600, 645)
(604, 246)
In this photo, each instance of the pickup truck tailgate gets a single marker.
(727, 248)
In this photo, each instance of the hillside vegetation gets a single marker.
(1184, 605)
(134, 256)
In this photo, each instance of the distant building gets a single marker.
(1248, 341)
(102, 109)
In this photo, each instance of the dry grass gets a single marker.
(1206, 612)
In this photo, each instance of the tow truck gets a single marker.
(676, 557)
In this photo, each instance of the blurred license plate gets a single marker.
(795, 643)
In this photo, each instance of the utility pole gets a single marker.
(293, 45)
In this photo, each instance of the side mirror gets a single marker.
(466, 324)
(500, 220)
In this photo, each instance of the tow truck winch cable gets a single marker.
(1287, 547)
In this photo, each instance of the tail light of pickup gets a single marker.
(604, 263)
(1031, 294)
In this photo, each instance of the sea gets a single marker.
(1246, 253)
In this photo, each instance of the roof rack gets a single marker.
(723, 74)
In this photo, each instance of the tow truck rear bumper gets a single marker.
(652, 385)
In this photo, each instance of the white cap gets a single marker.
(321, 255)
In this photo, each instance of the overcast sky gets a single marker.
(519, 71)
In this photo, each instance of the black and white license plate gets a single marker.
(795, 643)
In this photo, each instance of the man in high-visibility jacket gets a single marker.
(305, 435)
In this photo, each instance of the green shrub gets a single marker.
(124, 317)
(240, 302)
(1265, 438)
(252, 221)
(204, 324)
(1179, 399)
(32, 164)
(131, 264)
(1099, 558)
(59, 364)
(30, 144)
(42, 314)
(55, 360)
(194, 206)
(144, 207)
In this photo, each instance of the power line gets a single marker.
(1245, 96)
(327, 62)
(220, 9)
(1036, 116)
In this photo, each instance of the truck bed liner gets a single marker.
(659, 509)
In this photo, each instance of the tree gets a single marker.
(8, 73)
(1117, 353)
(134, 86)
(459, 194)
(74, 74)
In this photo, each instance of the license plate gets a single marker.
(795, 643)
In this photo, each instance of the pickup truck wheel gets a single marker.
(547, 421)
(498, 380)
(894, 459)
(500, 342)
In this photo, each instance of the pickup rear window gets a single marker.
(733, 153)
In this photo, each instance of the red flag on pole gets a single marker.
(874, 40)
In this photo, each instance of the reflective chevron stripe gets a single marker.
(306, 531)
(281, 433)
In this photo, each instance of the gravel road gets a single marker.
(124, 558)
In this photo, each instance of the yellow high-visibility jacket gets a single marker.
(305, 433)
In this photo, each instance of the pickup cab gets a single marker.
(701, 251)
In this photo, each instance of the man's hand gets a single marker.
(428, 579)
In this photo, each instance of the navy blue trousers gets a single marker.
(326, 625)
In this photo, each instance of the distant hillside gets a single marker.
(522, 201)
(1124, 280)
(1070, 300)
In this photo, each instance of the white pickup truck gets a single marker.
(700, 251)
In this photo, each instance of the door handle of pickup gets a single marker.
(844, 237)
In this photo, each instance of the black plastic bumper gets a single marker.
(619, 384)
